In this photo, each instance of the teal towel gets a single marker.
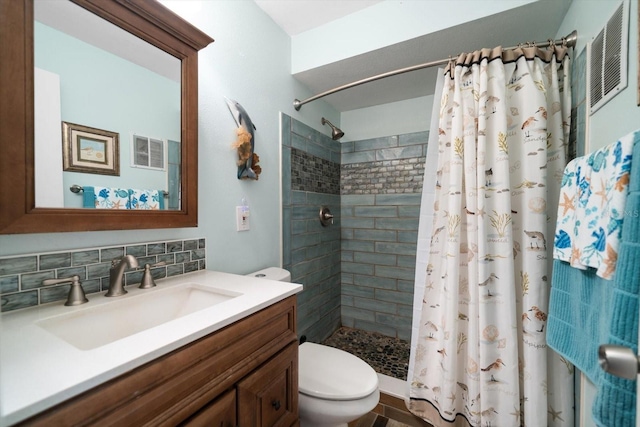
(586, 311)
(88, 197)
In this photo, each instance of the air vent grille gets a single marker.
(608, 59)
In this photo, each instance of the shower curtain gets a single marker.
(480, 356)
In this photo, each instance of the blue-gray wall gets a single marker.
(381, 187)
(310, 180)
(358, 272)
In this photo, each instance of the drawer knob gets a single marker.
(276, 404)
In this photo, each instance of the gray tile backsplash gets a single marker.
(21, 276)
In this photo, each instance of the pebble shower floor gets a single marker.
(386, 355)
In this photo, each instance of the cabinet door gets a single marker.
(219, 413)
(269, 396)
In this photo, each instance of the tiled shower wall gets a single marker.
(311, 252)
(381, 189)
(21, 276)
(359, 272)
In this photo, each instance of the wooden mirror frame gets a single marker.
(146, 19)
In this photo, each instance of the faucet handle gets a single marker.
(147, 278)
(76, 292)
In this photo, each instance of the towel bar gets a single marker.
(75, 188)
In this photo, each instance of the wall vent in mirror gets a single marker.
(148, 152)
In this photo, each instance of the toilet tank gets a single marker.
(272, 273)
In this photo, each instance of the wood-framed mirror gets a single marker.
(145, 19)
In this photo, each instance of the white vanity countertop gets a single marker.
(39, 370)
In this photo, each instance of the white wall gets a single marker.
(395, 118)
(396, 21)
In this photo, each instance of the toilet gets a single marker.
(335, 387)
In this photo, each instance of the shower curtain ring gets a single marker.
(552, 44)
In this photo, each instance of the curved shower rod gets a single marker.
(569, 40)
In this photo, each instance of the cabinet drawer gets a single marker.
(269, 396)
(219, 413)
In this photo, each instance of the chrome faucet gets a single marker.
(116, 275)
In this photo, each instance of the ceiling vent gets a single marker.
(608, 54)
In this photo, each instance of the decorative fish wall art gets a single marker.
(247, 159)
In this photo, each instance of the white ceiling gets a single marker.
(537, 21)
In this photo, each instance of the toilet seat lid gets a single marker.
(332, 374)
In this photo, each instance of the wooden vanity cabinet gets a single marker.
(245, 375)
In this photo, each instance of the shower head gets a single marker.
(336, 133)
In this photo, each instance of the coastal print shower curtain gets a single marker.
(481, 357)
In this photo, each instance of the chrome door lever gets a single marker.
(619, 361)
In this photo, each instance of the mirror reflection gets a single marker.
(107, 114)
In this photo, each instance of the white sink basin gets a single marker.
(94, 327)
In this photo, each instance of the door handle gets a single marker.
(619, 361)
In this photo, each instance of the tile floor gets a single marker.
(387, 355)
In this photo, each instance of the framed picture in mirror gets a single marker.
(90, 150)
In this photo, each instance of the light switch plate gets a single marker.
(242, 218)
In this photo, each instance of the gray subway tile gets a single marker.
(399, 153)
(398, 199)
(395, 248)
(34, 280)
(376, 211)
(375, 282)
(72, 271)
(188, 245)
(160, 248)
(374, 258)
(394, 272)
(376, 305)
(375, 143)
(175, 270)
(9, 284)
(358, 291)
(415, 138)
(412, 211)
(357, 268)
(109, 254)
(85, 257)
(358, 313)
(167, 258)
(191, 266)
(357, 222)
(18, 265)
(393, 296)
(182, 257)
(175, 246)
(95, 271)
(358, 157)
(375, 235)
(198, 254)
(9, 302)
(410, 236)
(356, 245)
(358, 200)
(136, 250)
(52, 261)
(396, 223)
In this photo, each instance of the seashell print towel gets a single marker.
(591, 208)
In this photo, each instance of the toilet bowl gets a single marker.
(335, 387)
